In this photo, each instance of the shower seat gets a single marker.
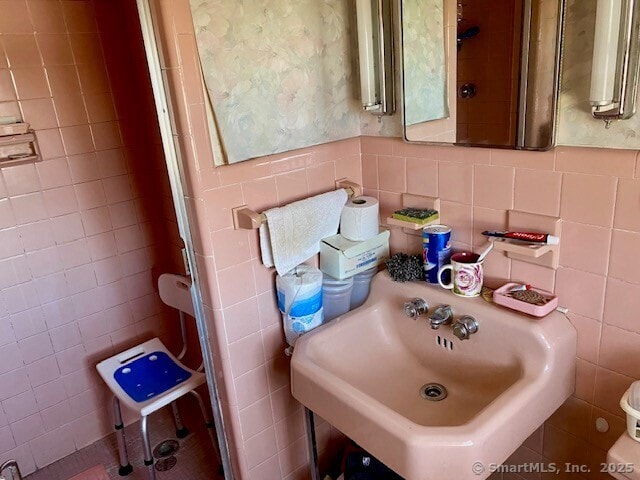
(147, 377)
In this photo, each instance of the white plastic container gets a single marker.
(336, 296)
(300, 301)
(633, 415)
(361, 287)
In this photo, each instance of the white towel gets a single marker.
(292, 233)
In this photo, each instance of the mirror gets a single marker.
(481, 72)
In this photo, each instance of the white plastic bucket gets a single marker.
(361, 287)
(336, 296)
(633, 416)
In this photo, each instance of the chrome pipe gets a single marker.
(312, 447)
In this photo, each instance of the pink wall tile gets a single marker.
(255, 418)
(241, 320)
(6, 214)
(230, 247)
(459, 218)
(246, 354)
(60, 201)
(619, 351)
(35, 347)
(54, 173)
(20, 406)
(422, 176)
(29, 208)
(370, 171)
(538, 191)
(455, 182)
(624, 248)
(609, 388)
(588, 336)
(391, 174)
(573, 416)
(585, 247)
(597, 161)
(55, 49)
(21, 179)
(585, 380)
(30, 82)
(6, 439)
(532, 160)
(67, 228)
(292, 186)
(21, 50)
(259, 449)
(251, 387)
(27, 429)
(622, 301)
(376, 145)
(71, 111)
(487, 219)
(267, 469)
(236, 284)
(581, 292)
(627, 205)
(46, 16)
(601, 191)
(493, 187)
(541, 277)
(52, 446)
(219, 204)
(40, 113)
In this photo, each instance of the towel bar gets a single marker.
(244, 217)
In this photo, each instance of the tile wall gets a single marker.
(75, 229)
(78, 242)
(596, 192)
(597, 195)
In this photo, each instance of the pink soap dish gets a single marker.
(548, 302)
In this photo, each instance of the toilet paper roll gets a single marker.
(359, 219)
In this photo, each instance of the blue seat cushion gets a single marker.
(150, 376)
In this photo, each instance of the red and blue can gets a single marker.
(436, 243)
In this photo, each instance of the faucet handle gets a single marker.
(465, 327)
(415, 307)
(443, 315)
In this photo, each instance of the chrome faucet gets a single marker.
(415, 307)
(465, 327)
(441, 316)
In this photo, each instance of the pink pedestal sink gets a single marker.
(364, 372)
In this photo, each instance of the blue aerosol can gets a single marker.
(436, 243)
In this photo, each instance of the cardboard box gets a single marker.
(342, 258)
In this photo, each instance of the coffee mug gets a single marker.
(467, 275)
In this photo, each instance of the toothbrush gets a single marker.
(485, 252)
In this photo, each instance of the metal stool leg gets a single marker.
(209, 424)
(125, 466)
(181, 430)
(146, 443)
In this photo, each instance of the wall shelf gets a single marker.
(543, 255)
(412, 201)
(527, 250)
(19, 145)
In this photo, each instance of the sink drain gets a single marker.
(433, 392)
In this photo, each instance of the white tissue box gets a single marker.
(342, 258)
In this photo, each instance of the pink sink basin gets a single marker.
(364, 373)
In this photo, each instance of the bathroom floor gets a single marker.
(196, 457)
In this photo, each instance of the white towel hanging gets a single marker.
(292, 233)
